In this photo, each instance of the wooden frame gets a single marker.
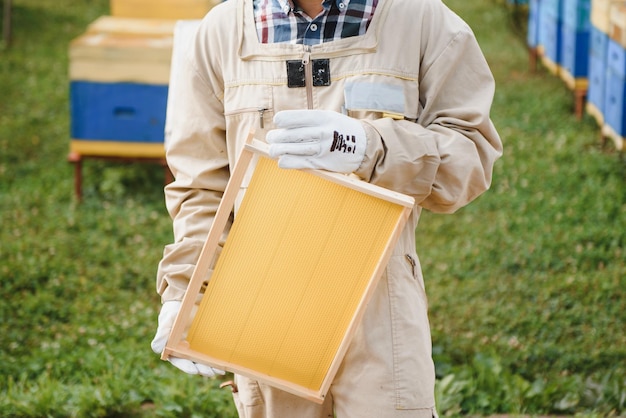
(301, 261)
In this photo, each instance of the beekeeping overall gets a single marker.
(410, 99)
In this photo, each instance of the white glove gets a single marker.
(168, 313)
(318, 139)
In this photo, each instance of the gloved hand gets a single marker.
(168, 313)
(318, 139)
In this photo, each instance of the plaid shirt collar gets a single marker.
(288, 5)
(282, 21)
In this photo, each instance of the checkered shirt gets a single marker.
(281, 21)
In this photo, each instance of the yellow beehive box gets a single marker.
(131, 26)
(600, 16)
(123, 49)
(162, 9)
(110, 57)
(617, 23)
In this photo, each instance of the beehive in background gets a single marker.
(119, 73)
(162, 9)
(615, 84)
(598, 48)
(550, 37)
(575, 42)
(597, 73)
(532, 36)
(584, 43)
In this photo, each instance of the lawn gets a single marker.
(526, 285)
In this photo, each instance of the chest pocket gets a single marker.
(372, 97)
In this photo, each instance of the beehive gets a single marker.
(119, 71)
(162, 9)
(532, 36)
(597, 74)
(550, 34)
(575, 43)
(615, 83)
(615, 91)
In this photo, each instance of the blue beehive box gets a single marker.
(553, 8)
(597, 67)
(575, 38)
(532, 35)
(597, 82)
(576, 14)
(575, 51)
(551, 37)
(615, 88)
(550, 22)
(127, 112)
(614, 110)
(616, 58)
(598, 41)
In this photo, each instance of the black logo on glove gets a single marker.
(341, 144)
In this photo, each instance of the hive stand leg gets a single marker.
(6, 24)
(579, 102)
(532, 59)
(77, 160)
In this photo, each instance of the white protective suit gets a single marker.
(420, 82)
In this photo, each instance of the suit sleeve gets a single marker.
(196, 154)
(445, 159)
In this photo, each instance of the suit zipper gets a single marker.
(260, 110)
(308, 75)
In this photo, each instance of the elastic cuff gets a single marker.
(372, 148)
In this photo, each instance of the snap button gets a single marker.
(313, 27)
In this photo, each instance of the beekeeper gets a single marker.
(407, 84)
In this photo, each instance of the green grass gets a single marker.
(526, 284)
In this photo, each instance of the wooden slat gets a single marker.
(117, 148)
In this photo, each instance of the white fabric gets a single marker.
(317, 139)
(168, 313)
